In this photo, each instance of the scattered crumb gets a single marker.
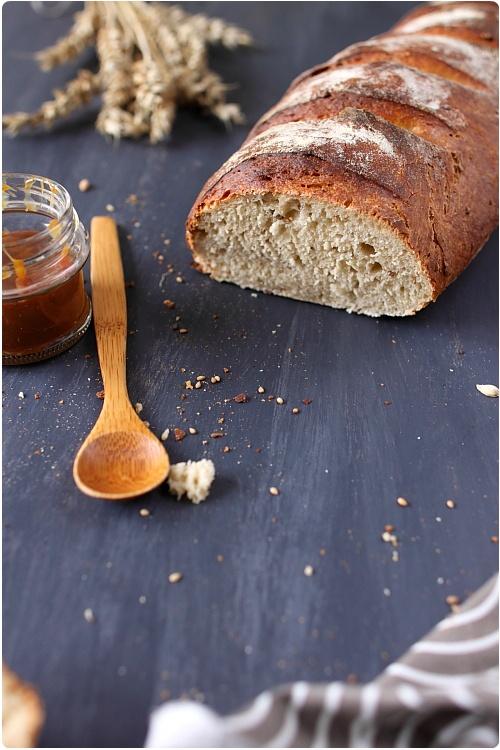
(192, 478)
(144, 512)
(322, 552)
(100, 394)
(132, 199)
(175, 577)
(295, 410)
(61, 401)
(389, 538)
(84, 185)
(226, 370)
(142, 599)
(402, 502)
(215, 379)
(451, 504)
(280, 401)
(165, 434)
(494, 539)
(309, 571)
(37, 396)
(274, 491)
(488, 390)
(183, 330)
(306, 401)
(261, 389)
(169, 304)
(453, 601)
(220, 558)
(179, 434)
(110, 208)
(192, 431)
(22, 711)
(387, 592)
(88, 615)
(138, 407)
(179, 279)
(241, 398)
(216, 435)
(226, 449)
(387, 403)
(21, 395)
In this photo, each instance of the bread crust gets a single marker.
(439, 190)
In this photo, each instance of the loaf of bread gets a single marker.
(372, 183)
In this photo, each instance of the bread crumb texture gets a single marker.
(313, 251)
(192, 478)
(22, 711)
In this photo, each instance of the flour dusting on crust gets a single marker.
(380, 80)
(355, 141)
(478, 62)
(450, 17)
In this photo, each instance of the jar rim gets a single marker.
(42, 196)
(64, 215)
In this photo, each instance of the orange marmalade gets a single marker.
(45, 308)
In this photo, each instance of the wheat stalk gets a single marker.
(152, 57)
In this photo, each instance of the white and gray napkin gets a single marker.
(442, 693)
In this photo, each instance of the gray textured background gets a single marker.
(233, 628)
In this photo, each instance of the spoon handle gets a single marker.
(109, 307)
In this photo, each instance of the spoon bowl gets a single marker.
(120, 465)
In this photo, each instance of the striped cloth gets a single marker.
(442, 693)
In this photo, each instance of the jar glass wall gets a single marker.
(45, 308)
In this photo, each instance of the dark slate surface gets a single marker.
(233, 628)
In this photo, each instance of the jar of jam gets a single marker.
(45, 308)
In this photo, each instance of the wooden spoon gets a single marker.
(120, 458)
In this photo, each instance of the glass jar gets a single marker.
(45, 308)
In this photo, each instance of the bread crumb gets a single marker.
(84, 185)
(280, 401)
(88, 615)
(22, 711)
(175, 577)
(144, 512)
(274, 491)
(110, 208)
(138, 407)
(241, 398)
(192, 478)
(164, 435)
(309, 571)
(488, 390)
(402, 502)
